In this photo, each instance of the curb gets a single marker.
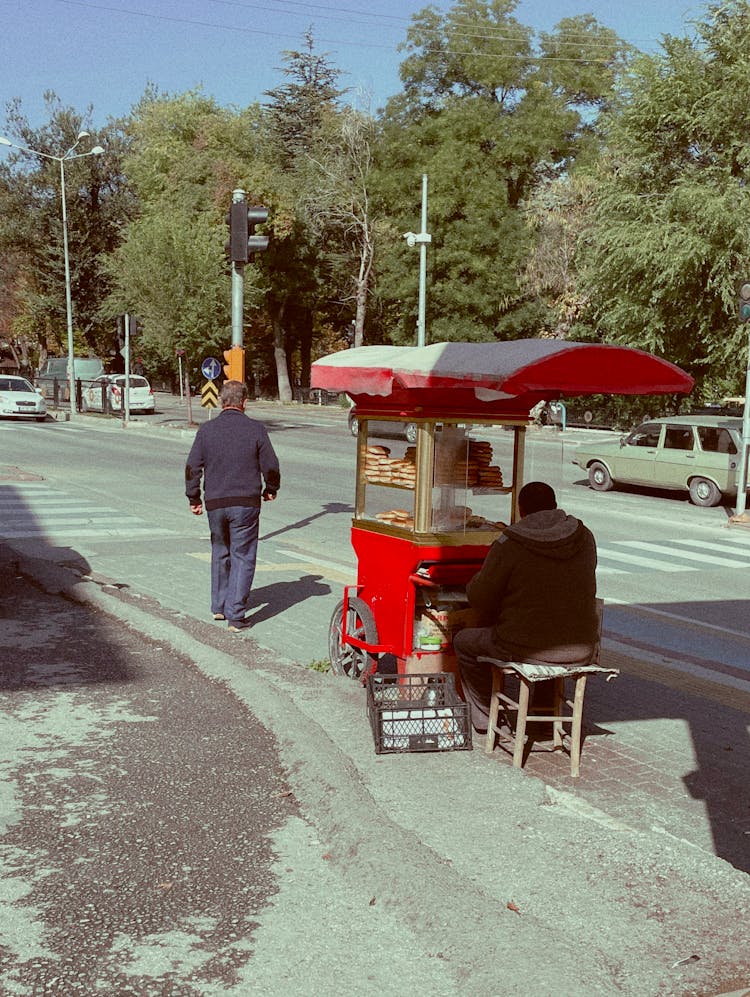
(505, 833)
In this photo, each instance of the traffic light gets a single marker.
(743, 303)
(256, 216)
(238, 232)
(234, 368)
(243, 241)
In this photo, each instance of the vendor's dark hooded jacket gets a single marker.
(537, 586)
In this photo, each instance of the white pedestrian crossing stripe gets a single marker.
(624, 556)
(33, 510)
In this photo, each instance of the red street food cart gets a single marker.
(426, 513)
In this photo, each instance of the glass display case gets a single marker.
(457, 482)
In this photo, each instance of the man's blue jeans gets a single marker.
(234, 548)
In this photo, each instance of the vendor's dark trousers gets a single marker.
(476, 677)
(234, 548)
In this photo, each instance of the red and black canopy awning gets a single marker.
(485, 379)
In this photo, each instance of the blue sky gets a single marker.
(104, 52)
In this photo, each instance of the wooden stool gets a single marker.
(528, 673)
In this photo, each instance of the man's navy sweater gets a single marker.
(236, 460)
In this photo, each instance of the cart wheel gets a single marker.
(354, 662)
(411, 432)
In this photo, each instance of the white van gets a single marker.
(86, 370)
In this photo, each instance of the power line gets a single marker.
(484, 36)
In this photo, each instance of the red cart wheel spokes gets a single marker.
(353, 662)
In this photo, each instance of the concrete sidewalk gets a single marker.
(445, 873)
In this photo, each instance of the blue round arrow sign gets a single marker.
(211, 368)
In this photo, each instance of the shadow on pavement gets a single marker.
(717, 718)
(47, 641)
(280, 596)
(329, 509)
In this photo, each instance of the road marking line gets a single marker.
(654, 667)
(691, 620)
(52, 532)
(689, 555)
(61, 514)
(607, 553)
(725, 548)
(312, 567)
(333, 565)
(39, 502)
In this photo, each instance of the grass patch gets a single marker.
(323, 665)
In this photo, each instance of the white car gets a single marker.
(106, 393)
(19, 399)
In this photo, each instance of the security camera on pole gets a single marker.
(243, 244)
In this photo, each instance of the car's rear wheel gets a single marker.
(704, 492)
(599, 477)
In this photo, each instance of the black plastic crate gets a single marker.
(417, 713)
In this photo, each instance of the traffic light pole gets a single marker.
(238, 285)
(242, 246)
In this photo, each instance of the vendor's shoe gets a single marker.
(219, 616)
(237, 626)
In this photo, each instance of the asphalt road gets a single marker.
(672, 575)
(156, 770)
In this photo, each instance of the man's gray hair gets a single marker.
(233, 394)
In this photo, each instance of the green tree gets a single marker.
(296, 111)
(487, 114)
(668, 243)
(338, 204)
(558, 215)
(31, 230)
(187, 156)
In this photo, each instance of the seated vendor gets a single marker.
(536, 596)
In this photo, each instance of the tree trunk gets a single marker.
(362, 285)
(279, 355)
(305, 333)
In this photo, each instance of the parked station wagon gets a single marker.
(699, 453)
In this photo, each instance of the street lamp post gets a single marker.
(66, 157)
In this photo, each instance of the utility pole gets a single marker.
(743, 315)
(126, 388)
(742, 472)
(422, 239)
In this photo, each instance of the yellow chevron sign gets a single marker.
(209, 395)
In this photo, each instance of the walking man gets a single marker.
(236, 460)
